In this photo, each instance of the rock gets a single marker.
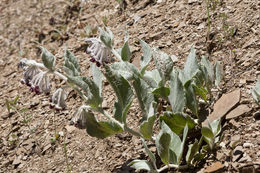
(257, 116)
(247, 169)
(17, 160)
(217, 166)
(237, 153)
(247, 145)
(70, 129)
(46, 148)
(234, 140)
(238, 111)
(224, 105)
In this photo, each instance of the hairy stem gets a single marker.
(116, 54)
(172, 166)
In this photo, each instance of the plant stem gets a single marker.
(116, 54)
(133, 132)
(66, 156)
(172, 166)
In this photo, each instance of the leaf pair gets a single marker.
(210, 133)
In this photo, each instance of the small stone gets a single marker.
(61, 133)
(234, 140)
(247, 145)
(224, 105)
(70, 129)
(238, 111)
(46, 148)
(247, 169)
(214, 167)
(237, 153)
(257, 116)
(17, 160)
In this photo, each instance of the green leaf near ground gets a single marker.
(48, 59)
(191, 65)
(177, 96)
(101, 129)
(147, 55)
(141, 165)
(71, 66)
(123, 91)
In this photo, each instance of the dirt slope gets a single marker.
(173, 26)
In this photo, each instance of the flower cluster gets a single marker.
(79, 120)
(98, 51)
(58, 99)
(35, 78)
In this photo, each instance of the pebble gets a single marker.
(247, 145)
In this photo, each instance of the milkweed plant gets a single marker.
(180, 91)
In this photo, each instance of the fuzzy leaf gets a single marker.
(206, 132)
(71, 65)
(48, 59)
(202, 92)
(144, 96)
(125, 51)
(152, 78)
(191, 66)
(146, 127)
(215, 127)
(256, 92)
(123, 91)
(101, 129)
(219, 73)
(147, 55)
(163, 63)
(193, 149)
(90, 88)
(141, 165)
(98, 77)
(106, 37)
(209, 68)
(126, 69)
(162, 92)
(190, 95)
(162, 142)
(176, 122)
(176, 97)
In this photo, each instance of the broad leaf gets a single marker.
(219, 73)
(48, 59)
(215, 127)
(163, 63)
(191, 66)
(179, 154)
(144, 95)
(98, 77)
(152, 78)
(123, 91)
(126, 69)
(146, 127)
(193, 149)
(71, 65)
(90, 88)
(176, 122)
(176, 97)
(190, 95)
(175, 143)
(106, 37)
(101, 129)
(256, 92)
(147, 55)
(141, 165)
(209, 68)
(125, 51)
(161, 92)
(162, 142)
(202, 92)
(207, 132)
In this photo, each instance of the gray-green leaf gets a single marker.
(48, 59)
(71, 66)
(123, 91)
(147, 55)
(219, 73)
(141, 165)
(191, 66)
(177, 96)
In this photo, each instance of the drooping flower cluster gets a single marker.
(79, 120)
(98, 51)
(58, 99)
(35, 78)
